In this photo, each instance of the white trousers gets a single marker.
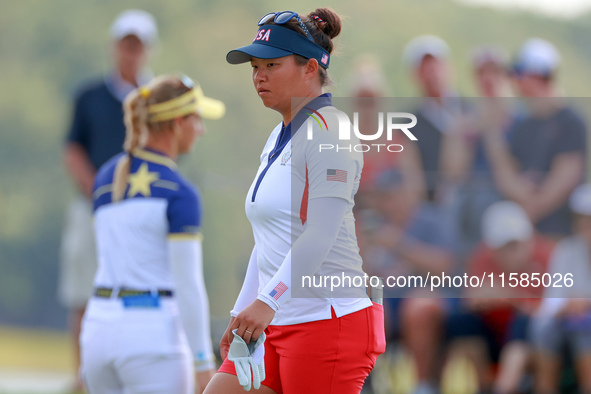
(135, 350)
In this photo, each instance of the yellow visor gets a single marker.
(194, 101)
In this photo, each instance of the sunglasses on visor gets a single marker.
(281, 18)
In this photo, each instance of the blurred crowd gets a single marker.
(493, 185)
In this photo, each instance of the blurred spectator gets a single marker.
(490, 71)
(545, 158)
(411, 233)
(367, 86)
(367, 89)
(96, 134)
(367, 79)
(409, 237)
(463, 159)
(564, 319)
(492, 326)
(427, 57)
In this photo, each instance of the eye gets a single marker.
(254, 67)
(270, 64)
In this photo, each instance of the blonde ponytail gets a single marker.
(135, 108)
(137, 124)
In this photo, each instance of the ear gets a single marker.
(311, 69)
(176, 125)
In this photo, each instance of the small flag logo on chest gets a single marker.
(285, 158)
(336, 175)
(278, 290)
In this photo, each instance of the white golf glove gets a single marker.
(246, 357)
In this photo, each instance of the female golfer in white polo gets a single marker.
(300, 207)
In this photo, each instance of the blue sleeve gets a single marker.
(79, 129)
(184, 211)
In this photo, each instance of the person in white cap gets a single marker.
(564, 319)
(96, 134)
(545, 158)
(427, 59)
(495, 319)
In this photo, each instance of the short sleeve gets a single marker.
(184, 212)
(331, 172)
(574, 136)
(79, 128)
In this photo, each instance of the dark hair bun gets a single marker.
(327, 21)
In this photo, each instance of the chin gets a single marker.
(267, 102)
(186, 150)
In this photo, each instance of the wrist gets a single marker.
(268, 301)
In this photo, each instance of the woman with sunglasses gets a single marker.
(300, 207)
(146, 329)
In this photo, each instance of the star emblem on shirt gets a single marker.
(140, 181)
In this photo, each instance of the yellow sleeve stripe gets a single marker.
(185, 237)
(102, 190)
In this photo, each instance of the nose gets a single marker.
(259, 75)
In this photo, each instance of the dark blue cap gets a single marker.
(274, 41)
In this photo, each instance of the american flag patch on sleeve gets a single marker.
(278, 290)
(336, 175)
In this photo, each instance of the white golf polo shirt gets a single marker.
(292, 172)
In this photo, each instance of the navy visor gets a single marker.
(274, 41)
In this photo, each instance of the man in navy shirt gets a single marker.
(545, 157)
(96, 134)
